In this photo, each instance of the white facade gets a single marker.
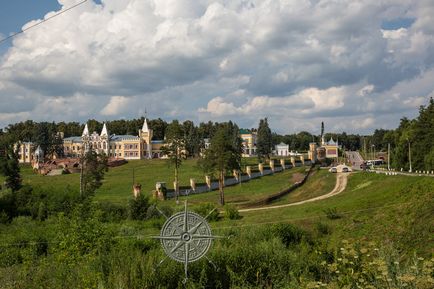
(282, 149)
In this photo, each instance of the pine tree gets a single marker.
(223, 155)
(264, 140)
(9, 167)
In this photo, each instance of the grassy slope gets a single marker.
(117, 185)
(375, 206)
(252, 190)
(319, 183)
(396, 209)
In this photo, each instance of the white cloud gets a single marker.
(116, 105)
(201, 59)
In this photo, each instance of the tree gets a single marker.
(192, 139)
(93, 167)
(223, 155)
(159, 127)
(175, 149)
(9, 166)
(264, 140)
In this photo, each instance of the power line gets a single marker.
(42, 21)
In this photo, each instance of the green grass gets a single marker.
(319, 183)
(396, 209)
(118, 181)
(250, 191)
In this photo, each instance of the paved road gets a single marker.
(355, 159)
(341, 184)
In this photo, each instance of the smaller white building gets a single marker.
(282, 149)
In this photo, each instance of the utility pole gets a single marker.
(388, 156)
(409, 155)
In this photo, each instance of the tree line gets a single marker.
(414, 138)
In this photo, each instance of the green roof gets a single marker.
(245, 131)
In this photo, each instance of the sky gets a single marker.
(356, 65)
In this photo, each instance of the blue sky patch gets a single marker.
(397, 23)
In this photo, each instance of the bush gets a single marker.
(288, 233)
(4, 218)
(138, 207)
(207, 208)
(323, 229)
(232, 213)
(112, 212)
(42, 212)
(332, 213)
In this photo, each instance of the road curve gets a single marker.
(341, 184)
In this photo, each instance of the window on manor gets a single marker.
(104, 145)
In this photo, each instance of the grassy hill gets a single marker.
(118, 181)
(364, 237)
(396, 209)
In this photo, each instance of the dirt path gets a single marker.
(341, 184)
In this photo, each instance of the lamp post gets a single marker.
(388, 156)
(409, 155)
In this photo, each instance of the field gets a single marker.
(118, 181)
(377, 232)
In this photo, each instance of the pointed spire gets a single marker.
(145, 126)
(85, 131)
(104, 131)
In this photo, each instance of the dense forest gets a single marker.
(415, 135)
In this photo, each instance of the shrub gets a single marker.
(112, 212)
(138, 207)
(288, 233)
(332, 213)
(208, 208)
(4, 218)
(323, 229)
(232, 213)
(42, 211)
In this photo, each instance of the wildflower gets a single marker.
(355, 256)
(420, 259)
(396, 263)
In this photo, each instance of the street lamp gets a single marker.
(409, 155)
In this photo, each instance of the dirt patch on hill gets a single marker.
(297, 177)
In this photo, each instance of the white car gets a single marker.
(333, 170)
